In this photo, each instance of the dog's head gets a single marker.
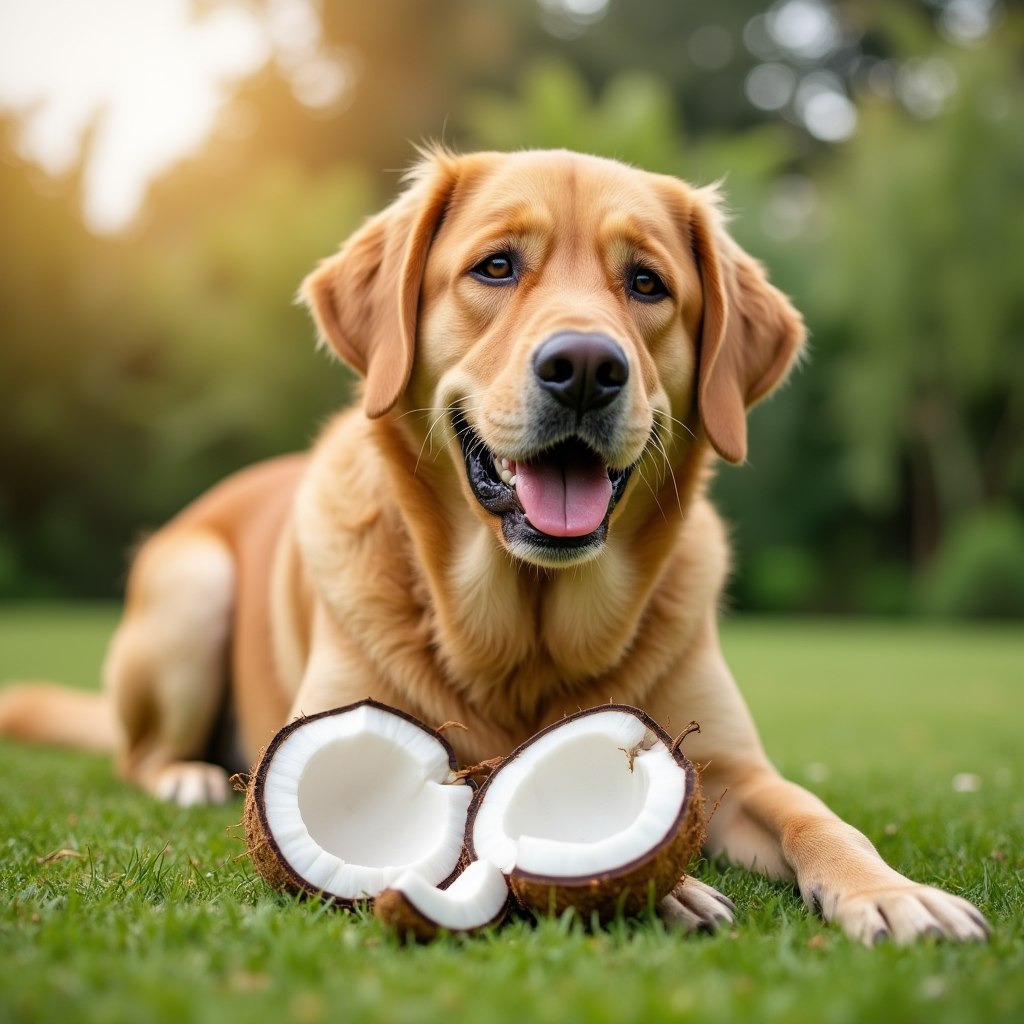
(558, 319)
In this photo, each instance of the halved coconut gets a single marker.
(343, 803)
(599, 812)
(477, 899)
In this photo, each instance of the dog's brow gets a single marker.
(646, 236)
(519, 219)
(524, 227)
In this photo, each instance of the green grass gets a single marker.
(159, 921)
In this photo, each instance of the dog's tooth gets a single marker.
(506, 475)
(505, 464)
(497, 467)
(512, 480)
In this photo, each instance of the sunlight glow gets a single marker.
(568, 19)
(128, 88)
(143, 78)
(824, 108)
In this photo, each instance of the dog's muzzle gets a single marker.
(554, 507)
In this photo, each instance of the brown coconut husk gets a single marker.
(263, 851)
(396, 910)
(630, 888)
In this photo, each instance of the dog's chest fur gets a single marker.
(450, 627)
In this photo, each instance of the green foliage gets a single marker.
(238, 370)
(154, 919)
(139, 372)
(927, 231)
(633, 119)
(782, 577)
(980, 569)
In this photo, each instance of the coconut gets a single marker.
(345, 803)
(600, 812)
(477, 899)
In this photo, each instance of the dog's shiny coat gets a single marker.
(371, 568)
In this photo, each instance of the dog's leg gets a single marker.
(768, 823)
(774, 826)
(166, 667)
(336, 673)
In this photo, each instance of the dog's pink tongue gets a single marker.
(564, 494)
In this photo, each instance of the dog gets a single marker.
(511, 524)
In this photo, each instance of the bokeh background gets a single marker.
(171, 169)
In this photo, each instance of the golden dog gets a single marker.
(511, 526)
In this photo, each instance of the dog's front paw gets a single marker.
(692, 905)
(906, 912)
(191, 784)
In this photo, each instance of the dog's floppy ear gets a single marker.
(751, 335)
(365, 300)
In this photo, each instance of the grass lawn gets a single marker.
(157, 920)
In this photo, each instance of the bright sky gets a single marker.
(147, 78)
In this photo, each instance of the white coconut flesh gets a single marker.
(584, 799)
(476, 898)
(354, 800)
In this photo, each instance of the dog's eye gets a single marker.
(646, 284)
(496, 268)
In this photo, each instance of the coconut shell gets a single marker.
(629, 888)
(396, 910)
(263, 850)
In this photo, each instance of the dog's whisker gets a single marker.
(412, 412)
(459, 434)
(656, 437)
(429, 436)
(654, 494)
(669, 416)
(447, 410)
(656, 450)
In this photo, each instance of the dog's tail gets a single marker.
(63, 715)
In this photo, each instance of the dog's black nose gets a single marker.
(582, 371)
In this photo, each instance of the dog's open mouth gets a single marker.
(558, 500)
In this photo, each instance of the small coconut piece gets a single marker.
(477, 899)
(343, 803)
(600, 812)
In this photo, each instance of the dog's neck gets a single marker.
(514, 640)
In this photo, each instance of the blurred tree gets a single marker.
(239, 377)
(926, 298)
(926, 235)
(980, 568)
(136, 373)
